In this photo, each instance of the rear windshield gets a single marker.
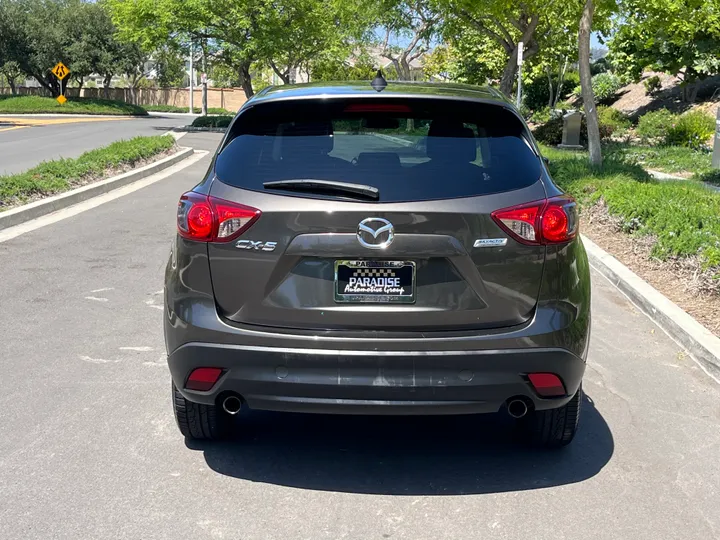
(409, 150)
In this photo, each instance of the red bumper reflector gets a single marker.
(547, 384)
(203, 379)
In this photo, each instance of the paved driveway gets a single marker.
(89, 449)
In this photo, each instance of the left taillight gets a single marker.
(208, 219)
(550, 221)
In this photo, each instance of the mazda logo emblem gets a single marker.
(375, 233)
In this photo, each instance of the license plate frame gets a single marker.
(365, 294)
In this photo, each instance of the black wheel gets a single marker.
(196, 421)
(554, 428)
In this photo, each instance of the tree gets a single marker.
(36, 34)
(679, 37)
(169, 65)
(413, 20)
(283, 33)
(231, 24)
(558, 53)
(343, 65)
(505, 23)
(136, 66)
(31, 36)
(296, 33)
(475, 57)
(438, 63)
(11, 71)
(90, 35)
(593, 127)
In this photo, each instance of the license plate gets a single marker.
(375, 281)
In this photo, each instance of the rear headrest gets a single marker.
(450, 141)
(307, 139)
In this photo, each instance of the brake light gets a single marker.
(377, 107)
(551, 221)
(209, 219)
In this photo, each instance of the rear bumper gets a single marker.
(377, 382)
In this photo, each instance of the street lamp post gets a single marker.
(191, 77)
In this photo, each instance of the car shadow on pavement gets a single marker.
(409, 455)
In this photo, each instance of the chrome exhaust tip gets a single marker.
(232, 405)
(517, 408)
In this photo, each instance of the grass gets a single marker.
(60, 175)
(667, 159)
(212, 121)
(683, 216)
(41, 105)
(174, 109)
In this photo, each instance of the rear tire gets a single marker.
(195, 420)
(554, 428)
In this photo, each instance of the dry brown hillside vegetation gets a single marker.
(634, 100)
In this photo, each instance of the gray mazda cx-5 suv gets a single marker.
(389, 248)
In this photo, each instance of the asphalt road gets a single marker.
(23, 148)
(89, 448)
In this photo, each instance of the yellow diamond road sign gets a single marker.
(61, 99)
(60, 71)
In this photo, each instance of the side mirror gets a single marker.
(546, 160)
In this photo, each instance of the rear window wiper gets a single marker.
(325, 186)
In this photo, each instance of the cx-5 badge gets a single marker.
(257, 246)
(375, 233)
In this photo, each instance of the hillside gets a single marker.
(634, 101)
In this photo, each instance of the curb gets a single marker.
(398, 140)
(191, 129)
(72, 115)
(40, 208)
(702, 344)
(665, 177)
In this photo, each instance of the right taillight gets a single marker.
(208, 219)
(550, 221)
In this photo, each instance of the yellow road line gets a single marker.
(51, 121)
(11, 128)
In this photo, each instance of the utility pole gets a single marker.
(191, 77)
(518, 99)
(204, 81)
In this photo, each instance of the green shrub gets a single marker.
(605, 86)
(551, 132)
(614, 121)
(711, 177)
(652, 85)
(541, 116)
(212, 121)
(692, 129)
(601, 65)
(653, 126)
(537, 93)
(525, 112)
